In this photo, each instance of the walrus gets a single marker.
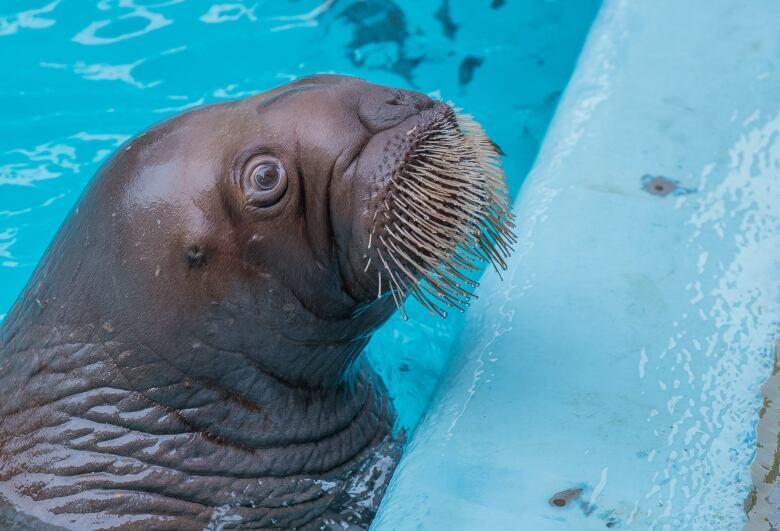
(187, 353)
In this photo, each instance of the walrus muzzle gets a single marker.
(437, 208)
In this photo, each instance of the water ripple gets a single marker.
(153, 21)
(29, 19)
(219, 13)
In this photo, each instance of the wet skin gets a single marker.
(186, 353)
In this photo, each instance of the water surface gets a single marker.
(79, 78)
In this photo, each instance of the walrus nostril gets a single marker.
(417, 101)
(396, 98)
(422, 102)
(381, 110)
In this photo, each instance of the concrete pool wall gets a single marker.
(613, 378)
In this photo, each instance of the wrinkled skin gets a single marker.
(187, 357)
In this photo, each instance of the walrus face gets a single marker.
(299, 217)
(363, 191)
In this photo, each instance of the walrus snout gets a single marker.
(435, 207)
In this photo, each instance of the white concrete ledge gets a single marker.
(613, 378)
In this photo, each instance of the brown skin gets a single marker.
(187, 352)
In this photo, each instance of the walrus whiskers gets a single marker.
(445, 212)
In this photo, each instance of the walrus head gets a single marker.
(313, 210)
(387, 192)
(205, 302)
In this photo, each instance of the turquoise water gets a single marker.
(80, 78)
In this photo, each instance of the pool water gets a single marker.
(80, 78)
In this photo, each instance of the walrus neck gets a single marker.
(95, 409)
(213, 388)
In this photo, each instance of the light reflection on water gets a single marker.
(83, 77)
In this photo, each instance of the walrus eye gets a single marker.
(267, 176)
(267, 179)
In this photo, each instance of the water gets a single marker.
(80, 78)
